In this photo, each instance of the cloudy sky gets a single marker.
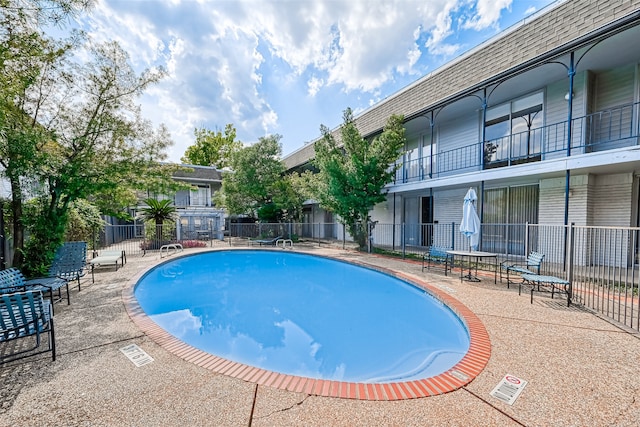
(288, 66)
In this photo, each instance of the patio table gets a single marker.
(472, 274)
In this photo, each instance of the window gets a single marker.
(513, 132)
(505, 211)
(200, 197)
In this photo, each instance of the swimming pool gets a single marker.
(304, 315)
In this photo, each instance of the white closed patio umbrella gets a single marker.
(470, 225)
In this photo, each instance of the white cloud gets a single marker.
(176, 49)
(314, 85)
(487, 14)
(231, 61)
(134, 34)
(441, 29)
(358, 45)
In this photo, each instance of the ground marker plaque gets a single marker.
(137, 355)
(459, 375)
(509, 389)
(447, 288)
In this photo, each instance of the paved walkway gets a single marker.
(581, 370)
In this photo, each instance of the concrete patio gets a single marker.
(581, 369)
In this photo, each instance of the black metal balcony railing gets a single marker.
(604, 130)
(191, 201)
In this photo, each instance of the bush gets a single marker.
(84, 222)
(43, 236)
(193, 244)
(165, 232)
(150, 245)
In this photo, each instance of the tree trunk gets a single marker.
(159, 231)
(18, 227)
(358, 231)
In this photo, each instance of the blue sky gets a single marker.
(288, 66)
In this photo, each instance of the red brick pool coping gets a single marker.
(458, 376)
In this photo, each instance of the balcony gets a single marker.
(601, 131)
(182, 201)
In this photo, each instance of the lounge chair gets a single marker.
(267, 242)
(11, 281)
(22, 315)
(531, 266)
(556, 284)
(107, 258)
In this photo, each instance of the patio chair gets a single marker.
(437, 255)
(108, 257)
(530, 266)
(266, 242)
(556, 284)
(12, 280)
(22, 315)
(69, 264)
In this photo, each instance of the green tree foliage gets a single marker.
(42, 12)
(255, 170)
(354, 171)
(73, 129)
(212, 148)
(257, 186)
(290, 193)
(156, 213)
(84, 223)
(24, 53)
(100, 142)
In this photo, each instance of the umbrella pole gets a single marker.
(481, 209)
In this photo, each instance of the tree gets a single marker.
(41, 12)
(212, 148)
(354, 171)
(24, 53)
(84, 223)
(251, 183)
(76, 131)
(290, 193)
(158, 211)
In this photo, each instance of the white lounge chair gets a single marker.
(108, 257)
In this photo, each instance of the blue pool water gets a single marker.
(304, 315)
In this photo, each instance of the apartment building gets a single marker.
(197, 215)
(543, 120)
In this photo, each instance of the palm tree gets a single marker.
(158, 211)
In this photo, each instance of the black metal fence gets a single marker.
(602, 263)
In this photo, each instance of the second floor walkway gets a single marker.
(599, 132)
